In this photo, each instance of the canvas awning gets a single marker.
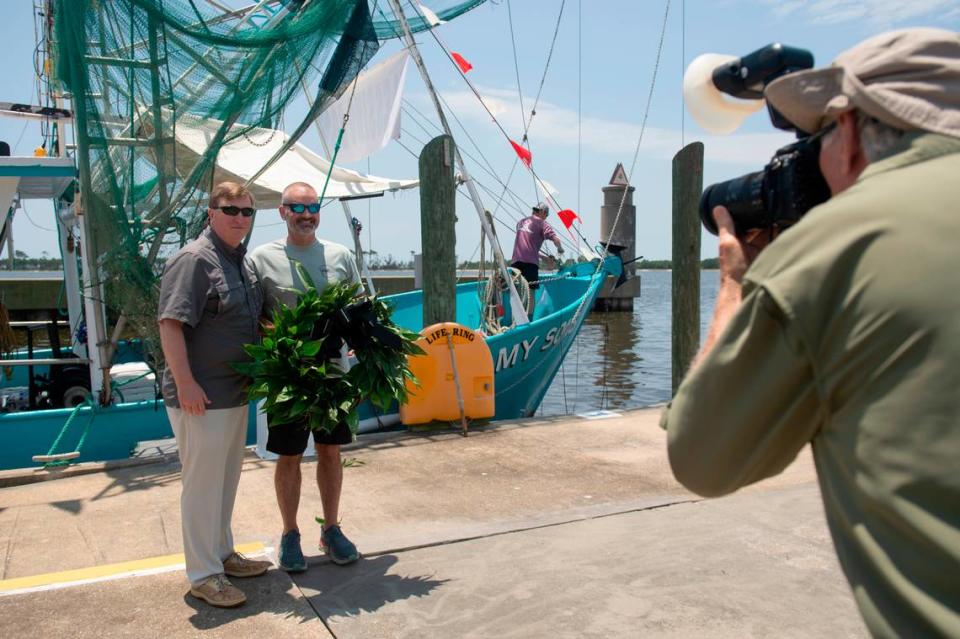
(243, 157)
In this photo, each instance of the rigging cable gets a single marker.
(444, 48)
(518, 202)
(516, 68)
(576, 340)
(643, 127)
(546, 67)
(476, 93)
(523, 118)
(683, 64)
(579, 104)
(636, 153)
(489, 169)
(543, 78)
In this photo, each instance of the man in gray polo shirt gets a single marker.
(209, 308)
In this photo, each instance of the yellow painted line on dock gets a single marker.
(149, 565)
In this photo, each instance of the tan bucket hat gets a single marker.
(909, 79)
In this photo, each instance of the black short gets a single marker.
(530, 272)
(291, 439)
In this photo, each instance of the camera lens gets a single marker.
(742, 196)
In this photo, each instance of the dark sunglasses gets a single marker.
(245, 211)
(312, 209)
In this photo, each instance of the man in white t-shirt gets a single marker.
(326, 263)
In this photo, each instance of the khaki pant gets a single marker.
(211, 454)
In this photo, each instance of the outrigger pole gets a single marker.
(516, 306)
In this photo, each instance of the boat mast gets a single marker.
(516, 306)
(94, 312)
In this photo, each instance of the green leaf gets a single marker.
(304, 276)
(353, 421)
(299, 407)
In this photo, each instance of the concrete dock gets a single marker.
(560, 527)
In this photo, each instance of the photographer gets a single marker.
(845, 332)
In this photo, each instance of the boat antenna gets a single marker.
(516, 305)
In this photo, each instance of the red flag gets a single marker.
(524, 154)
(461, 61)
(567, 217)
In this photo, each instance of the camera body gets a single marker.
(776, 197)
(791, 183)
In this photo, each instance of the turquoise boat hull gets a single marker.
(525, 360)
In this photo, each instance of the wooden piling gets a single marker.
(687, 187)
(437, 230)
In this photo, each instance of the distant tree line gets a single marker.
(23, 262)
(377, 262)
(653, 265)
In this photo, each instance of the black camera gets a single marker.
(792, 183)
(778, 196)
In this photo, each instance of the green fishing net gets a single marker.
(134, 69)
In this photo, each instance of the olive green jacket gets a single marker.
(848, 337)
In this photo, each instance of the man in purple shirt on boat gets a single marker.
(531, 232)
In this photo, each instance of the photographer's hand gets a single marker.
(735, 258)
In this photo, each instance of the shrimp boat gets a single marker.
(152, 103)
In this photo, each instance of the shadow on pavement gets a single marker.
(267, 595)
(126, 480)
(365, 586)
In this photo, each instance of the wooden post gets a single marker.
(437, 231)
(687, 187)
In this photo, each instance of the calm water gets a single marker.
(622, 360)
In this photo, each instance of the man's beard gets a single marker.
(305, 226)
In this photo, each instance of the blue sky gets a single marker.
(597, 83)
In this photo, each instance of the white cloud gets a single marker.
(555, 127)
(876, 12)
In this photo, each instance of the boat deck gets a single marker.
(561, 527)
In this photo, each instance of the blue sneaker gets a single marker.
(340, 549)
(291, 556)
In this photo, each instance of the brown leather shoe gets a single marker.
(217, 591)
(236, 565)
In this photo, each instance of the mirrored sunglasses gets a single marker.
(298, 208)
(245, 211)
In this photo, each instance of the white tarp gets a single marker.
(243, 157)
(374, 111)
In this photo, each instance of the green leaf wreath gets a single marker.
(296, 367)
